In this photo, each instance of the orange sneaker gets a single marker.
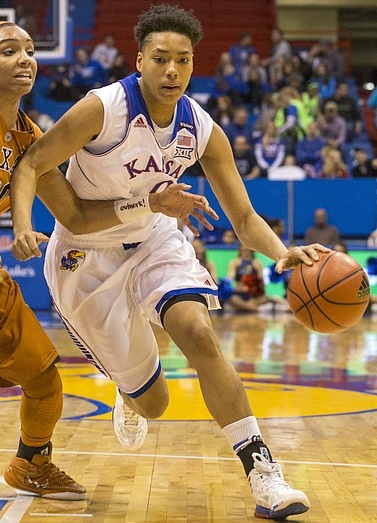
(40, 477)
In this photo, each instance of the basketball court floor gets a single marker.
(316, 399)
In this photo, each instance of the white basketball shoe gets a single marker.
(130, 428)
(275, 499)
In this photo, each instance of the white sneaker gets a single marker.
(130, 428)
(275, 499)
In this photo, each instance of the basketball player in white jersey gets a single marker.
(127, 142)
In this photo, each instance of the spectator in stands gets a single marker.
(291, 119)
(334, 58)
(201, 255)
(255, 90)
(347, 109)
(372, 103)
(244, 158)
(222, 110)
(309, 151)
(231, 84)
(120, 69)
(105, 52)
(240, 125)
(310, 99)
(322, 232)
(302, 66)
(240, 52)
(372, 240)
(333, 164)
(279, 47)
(363, 167)
(341, 247)
(255, 63)
(326, 81)
(270, 150)
(87, 74)
(43, 120)
(270, 105)
(229, 238)
(60, 83)
(246, 274)
(332, 127)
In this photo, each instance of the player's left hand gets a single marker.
(303, 254)
(176, 201)
(25, 245)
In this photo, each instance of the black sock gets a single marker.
(246, 454)
(26, 452)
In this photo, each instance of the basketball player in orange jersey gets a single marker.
(128, 140)
(27, 356)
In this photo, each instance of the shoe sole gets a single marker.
(67, 496)
(291, 510)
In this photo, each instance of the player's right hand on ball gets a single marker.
(176, 202)
(25, 245)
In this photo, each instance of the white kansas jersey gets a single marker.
(132, 156)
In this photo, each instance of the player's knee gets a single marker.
(46, 384)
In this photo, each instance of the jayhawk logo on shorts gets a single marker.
(71, 261)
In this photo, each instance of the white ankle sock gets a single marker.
(240, 432)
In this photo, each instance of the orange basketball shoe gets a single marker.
(40, 477)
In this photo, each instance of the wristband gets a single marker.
(131, 208)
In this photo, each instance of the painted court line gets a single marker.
(63, 515)
(17, 509)
(207, 458)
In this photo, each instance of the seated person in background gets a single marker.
(60, 83)
(239, 125)
(120, 69)
(326, 81)
(247, 274)
(363, 167)
(270, 150)
(333, 164)
(221, 109)
(87, 74)
(201, 255)
(311, 99)
(229, 238)
(347, 109)
(309, 151)
(332, 127)
(321, 231)
(244, 158)
(240, 53)
(291, 119)
(105, 52)
(340, 247)
(372, 240)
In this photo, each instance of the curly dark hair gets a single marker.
(162, 18)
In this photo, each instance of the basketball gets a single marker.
(331, 295)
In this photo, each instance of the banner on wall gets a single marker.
(28, 274)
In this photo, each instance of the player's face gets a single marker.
(165, 64)
(18, 66)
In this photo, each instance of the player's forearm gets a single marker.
(256, 234)
(22, 193)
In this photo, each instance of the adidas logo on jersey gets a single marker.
(364, 289)
(140, 123)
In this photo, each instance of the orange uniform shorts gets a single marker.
(25, 349)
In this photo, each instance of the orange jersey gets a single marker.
(14, 143)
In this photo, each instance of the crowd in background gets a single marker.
(296, 109)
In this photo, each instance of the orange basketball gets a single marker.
(331, 295)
